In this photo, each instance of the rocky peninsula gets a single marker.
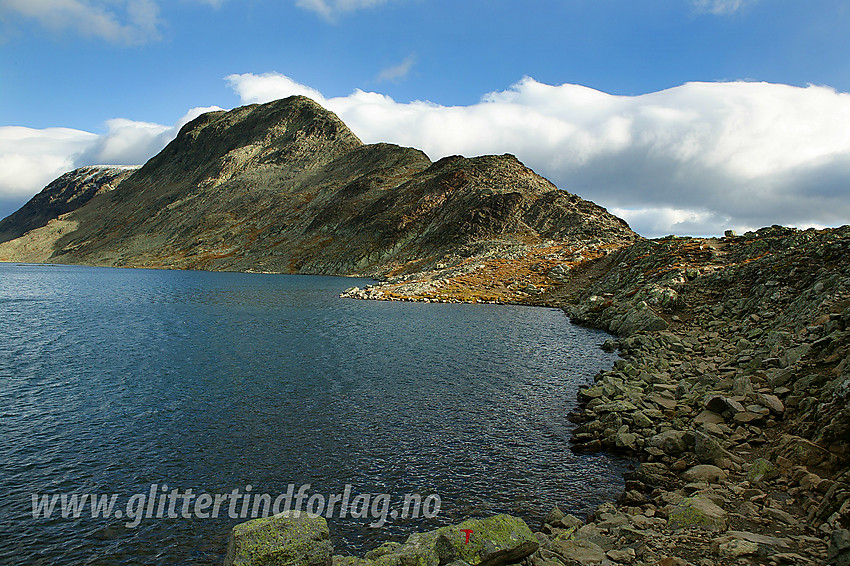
(732, 391)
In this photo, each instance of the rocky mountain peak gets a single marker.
(293, 132)
(287, 187)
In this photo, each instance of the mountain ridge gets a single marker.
(287, 187)
(64, 194)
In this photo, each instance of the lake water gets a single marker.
(113, 381)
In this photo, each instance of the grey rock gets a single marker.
(704, 473)
(624, 556)
(554, 516)
(578, 552)
(772, 402)
(708, 450)
(672, 442)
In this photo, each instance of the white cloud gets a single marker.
(269, 86)
(31, 158)
(721, 7)
(119, 21)
(397, 72)
(697, 158)
(330, 9)
(129, 142)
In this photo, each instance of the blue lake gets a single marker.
(114, 380)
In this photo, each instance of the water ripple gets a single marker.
(112, 380)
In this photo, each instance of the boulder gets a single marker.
(495, 541)
(762, 470)
(698, 512)
(802, 451)
(578, 552)
(766, 541)
(383, 550)
(719, 403)
(708, 450)
(708, 417)
(554, 516)
(654, 474)
(704, 473)
(733, 548)
(281, 540)
(772, 402)
(672, 442)
(624, 556)
(626, 440)
(639, 318)
(839, 548)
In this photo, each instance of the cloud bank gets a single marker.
(694, 159)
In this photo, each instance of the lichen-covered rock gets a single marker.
(494, 541)
(638, 318)
(733, 548)
(383, 550)
(281, 540)
(698, 512)
(762, 470)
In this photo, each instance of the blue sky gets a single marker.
(82, 64)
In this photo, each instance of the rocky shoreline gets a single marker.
(732, 392)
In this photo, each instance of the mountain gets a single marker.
(287, 187)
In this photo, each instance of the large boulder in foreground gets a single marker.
(494, 541)
(281, 540)
(303, 540)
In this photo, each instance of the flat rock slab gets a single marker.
(579, 552)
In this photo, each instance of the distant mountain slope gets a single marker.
(287, 187)
(69, 192)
